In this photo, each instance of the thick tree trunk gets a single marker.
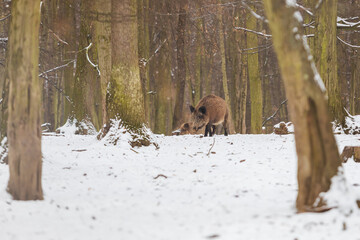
(325, 55)
(125, 99)
(318, 156)
(24, 133)
(181, 65)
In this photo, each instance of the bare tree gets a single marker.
(24, 133)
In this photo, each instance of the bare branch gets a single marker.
(57, 37)
(88, 58)
(305, 9)
(348, 44)
(252, 31)
(4, 18)
(274, 114)
(144, 61)
(56, 68)
(208, 154)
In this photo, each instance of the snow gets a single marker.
(244, 187)
(297, 16)
(291, 3)
(317, 76)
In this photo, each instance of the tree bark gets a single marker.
(124, 98)
(103, 43)
(318, 156)
(254, 76)
(325, 55)
(181, 65)
(87, 100)
(223, 67)
(24, 133)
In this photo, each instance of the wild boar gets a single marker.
(210, 112)
(185, 128)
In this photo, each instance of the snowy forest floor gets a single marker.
(244, 187)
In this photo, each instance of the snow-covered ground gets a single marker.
(244, 187)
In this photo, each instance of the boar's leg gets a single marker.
(213, 129)
(208, 130)
(226, 125)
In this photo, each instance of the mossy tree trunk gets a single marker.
(254, 76)
(24, 133)
(125, 99)
(318, 156)
(181, 65)
(325, 55)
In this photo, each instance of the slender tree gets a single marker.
(254, 76)
(325, 55)
(87, 100)
(181, 65)
(24, 133)
(103, 43)
(318, 156)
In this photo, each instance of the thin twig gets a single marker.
(252, 31)
(160, 175)
(57, 37)
(58, 89)
(88, 58)
(274, 114)
(4, 18)
(348, 44)
(56, 68)
(211, 147)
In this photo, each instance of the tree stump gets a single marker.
(350, 151)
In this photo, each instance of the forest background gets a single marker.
(186, 50)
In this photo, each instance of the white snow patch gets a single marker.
(291, 3)
(341, 195)
(72, 126)
(297, 16)
(68, 128)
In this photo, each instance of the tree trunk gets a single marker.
(181, 65)
(325, 55)
(103, 43)
(24, 133)
(86, 98)
(144, 54)
(318, 156)
(254, 76)
(223, 66)
(124, 98)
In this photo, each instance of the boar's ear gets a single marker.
(202, 109)
(192, 109)
(186, 126)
